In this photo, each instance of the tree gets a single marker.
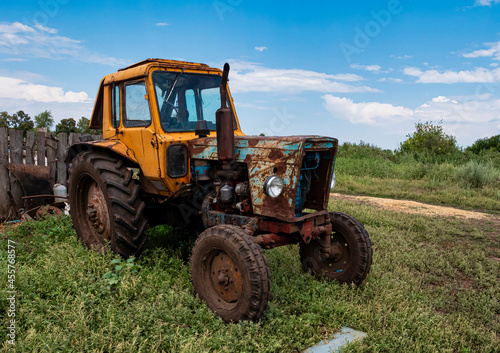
(21, 121)
(66, 125)
(5, 119)
(492, 143)
(84, 127)
(44, 120)
(429, 139)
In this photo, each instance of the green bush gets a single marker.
(363, 150)
(429, 140)
(476, 175)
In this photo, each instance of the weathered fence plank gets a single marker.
(30, 147)
(16, 157)
(4, 174)
(40, 148)
(51, 150)
(16, 146)
(74, 138)
(61, 154)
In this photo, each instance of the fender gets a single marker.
(115, 147)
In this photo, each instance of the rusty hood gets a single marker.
(266, 156)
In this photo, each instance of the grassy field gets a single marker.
(433, 288)
(462, 180)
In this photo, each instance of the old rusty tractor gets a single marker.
(173, 153)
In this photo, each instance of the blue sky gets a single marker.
(365, 70)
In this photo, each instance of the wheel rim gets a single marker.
(92, 205)
(224, 278)
(332, 266)
(340, 258)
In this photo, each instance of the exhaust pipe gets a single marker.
(224, 123)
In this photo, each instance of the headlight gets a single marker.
(334, 181)
(273, 186)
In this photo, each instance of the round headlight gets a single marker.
(334, 181)
(273, 186)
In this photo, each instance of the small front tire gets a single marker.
(351, 248)
(230, 273)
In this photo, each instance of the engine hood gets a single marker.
(266, 156)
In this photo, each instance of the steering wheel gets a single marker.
(181, 115)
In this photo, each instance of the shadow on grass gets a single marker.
(176, 242)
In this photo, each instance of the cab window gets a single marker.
(115, 116)
(136, 112)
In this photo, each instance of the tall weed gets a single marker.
(476, 175)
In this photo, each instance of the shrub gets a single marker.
(476, 175)
(430, 140)
(363, 150)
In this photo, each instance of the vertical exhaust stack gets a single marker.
(224, 123)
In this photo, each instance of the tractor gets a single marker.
(173, 153)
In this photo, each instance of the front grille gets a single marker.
(313, 180)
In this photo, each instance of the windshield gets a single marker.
(194, 97)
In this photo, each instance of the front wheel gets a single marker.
(350, 249)
(230, 273)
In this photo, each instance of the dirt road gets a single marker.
(417, 207)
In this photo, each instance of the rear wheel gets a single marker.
(230, 273)
(350, 249)
(105, 204)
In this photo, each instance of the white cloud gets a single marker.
(391, 79)
(162, 24)
(486, 2)
(252, 77)
(366, 112)
(492, 51)
(402, 57)
(261, 49)
(43, 42)
(14, 88)
(373, 68)
(465, 117)
(46, 29)
(14, 59)
(441, 99)
(479, 75)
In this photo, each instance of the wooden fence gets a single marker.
(39, 154)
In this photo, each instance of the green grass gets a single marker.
(433, 288)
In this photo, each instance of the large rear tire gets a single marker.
(351, 247)
(105, 204)
(230, 273)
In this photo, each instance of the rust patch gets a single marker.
(275, 154)
(252, 142)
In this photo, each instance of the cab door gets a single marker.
(137, 129)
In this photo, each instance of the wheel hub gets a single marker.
(97, 212)
(226, 278)
(335, 253)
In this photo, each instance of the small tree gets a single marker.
(429, 139)
(21, 121)
(66, 125)
(84, 127)
(44, 120)
(5, 119)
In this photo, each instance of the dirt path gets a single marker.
(416, 207)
